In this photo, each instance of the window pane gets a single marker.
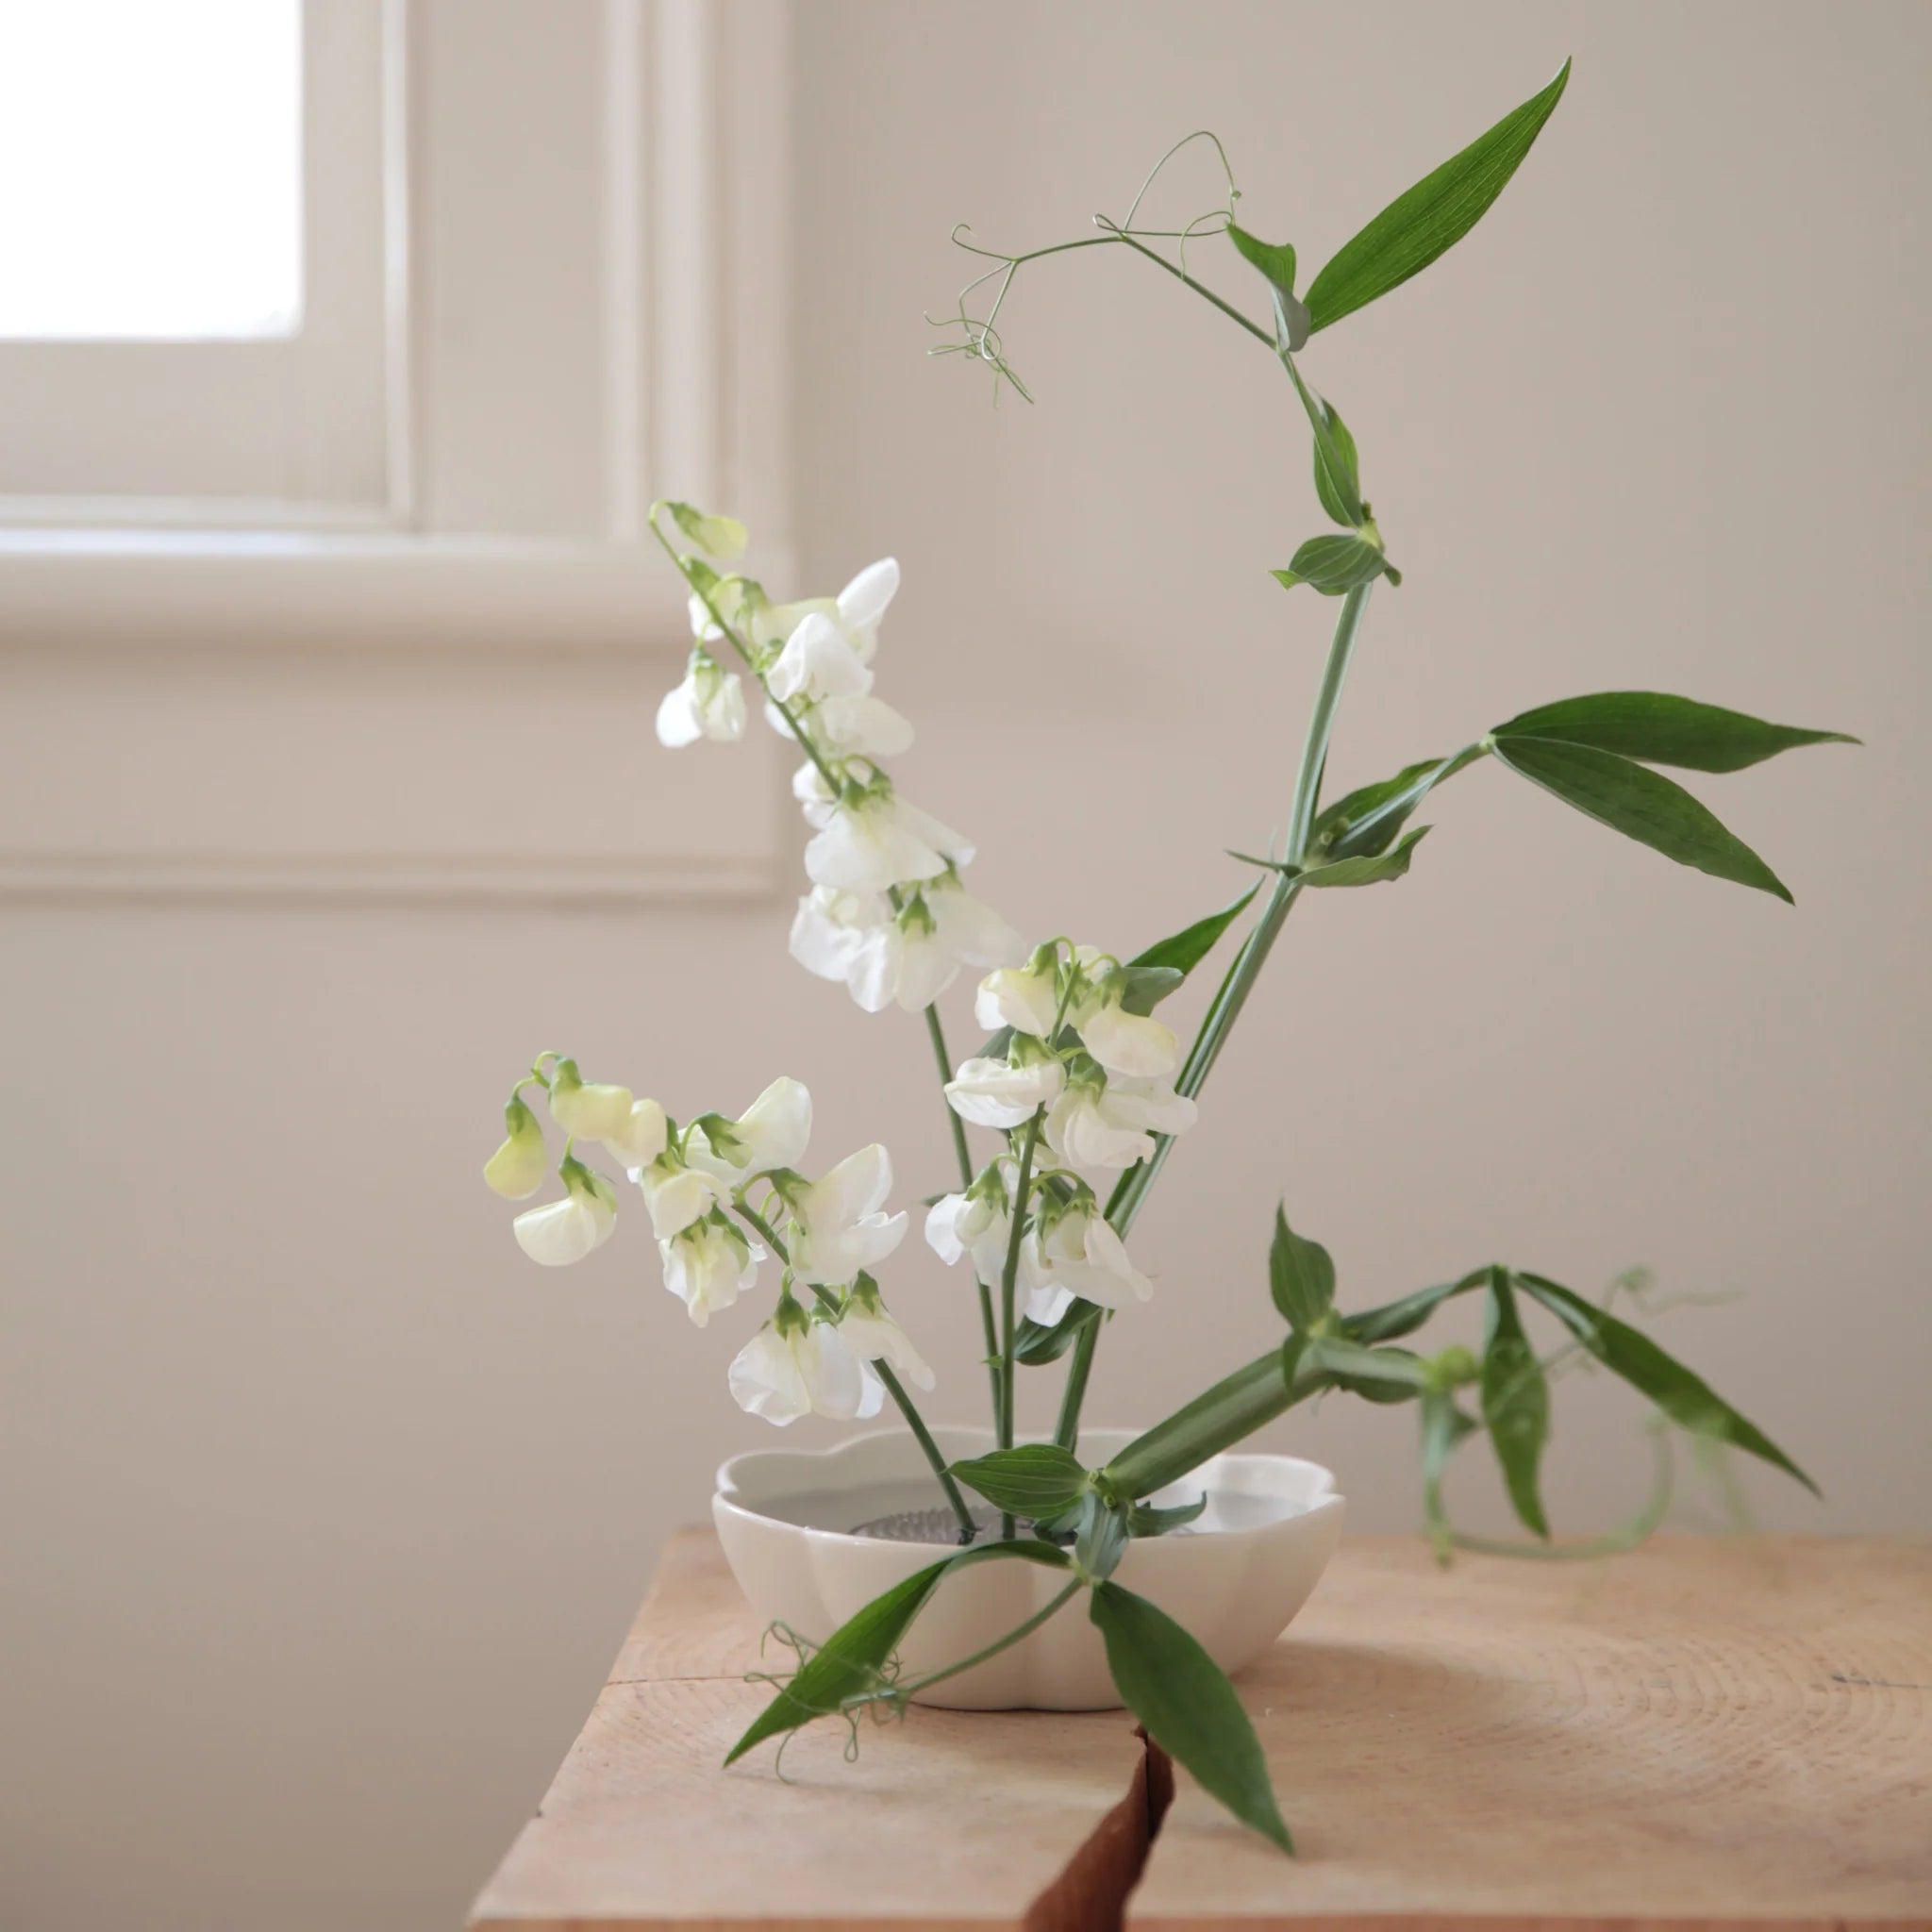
(150, 169)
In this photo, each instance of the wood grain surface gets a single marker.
(1721, 1735)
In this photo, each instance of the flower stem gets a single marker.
(894, 1387)
(1009, 1277)
(998, 1644)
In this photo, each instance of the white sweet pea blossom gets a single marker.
(723, 538)
(1004, 1093)
(676, 1194)
(970, 929)
(901, 961)
(643, 1136)
(522, 1164)
(567, 1230)
(831, 926)
(772, 1132)
(1022, 997)
(869, 843)
(863, 602)
(588, 1110)
(978, 1224)
(708, 1265)
(795, 1366)
(817, 663)
(1077, 1253)
(837, 1228)
(1136, 1044)
(857, 727)
(708, 704)
(1111, 1122)
(906, 958)
(874, 1336)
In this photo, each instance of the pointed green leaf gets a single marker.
(851, 1659)
(1035, 1480)
(1433, 215)
(1370, 868)
(1643, 805)
(1337, 496)
(1185, 950)
(1187, 1705)
(1404, 1317)
(1275, 260)
(1335, 564)
(1444, 1427)
(1664, 730)
(1100, 1539)
(1301, 1276)
(1037, 1345)
(1516, 1402)
(1378, 1375)
(1366, 819)
(1145, 1519)
(1686, 1398)
(1147, 986)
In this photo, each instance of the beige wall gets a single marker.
(324, 1511)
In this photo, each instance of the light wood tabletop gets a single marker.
(1720, 1734)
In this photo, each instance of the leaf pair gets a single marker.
(1585, 751)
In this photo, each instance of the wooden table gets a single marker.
(1716, 1734)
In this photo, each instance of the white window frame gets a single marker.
(535, 419)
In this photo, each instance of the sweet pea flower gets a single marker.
(831, 926)
(1136, 1044)
(837, 1225)
(567, 1230)
(978, 1224)
(874, 1336)
(520, 1166)
(708, 704)
(676, 1194)
(593, 1111)
(1025, 998)
(817, 663)
(772, 1132)
(1106, 1121)
(1077, 1253)
(970, 929)
(879, 839)
(795, 1366)
(901, 961)
(1004, 1093)
(708, 1265)
(643, 1136)
(908, 958)
(860, 727)
(863, 602)
(723, 538)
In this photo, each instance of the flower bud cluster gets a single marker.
(814, 1356)
(887, 914)
(1075, 1078)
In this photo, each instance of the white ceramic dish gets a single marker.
(1235, 1579)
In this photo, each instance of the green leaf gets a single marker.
(1187, 1705)
(851, 1659)
(1037, 1345)
(1335, 564)
(1665, 730)
(1147, 986)
(1366, 819)
(1275, 260)
(1039, 1479)
(1301, 1276)
(1432, 216)
(1643, 805)
(1337, 496)
(1404, 1317)
(1185, 950)
(1145, 1519)
(1370, 868)
(1100, 1539)
(1687, 1399)
(1516, 1402)
(1380, 1375)
(1444, 1426)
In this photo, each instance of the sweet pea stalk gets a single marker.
(1079, 1086)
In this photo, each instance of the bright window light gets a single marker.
(150, 169)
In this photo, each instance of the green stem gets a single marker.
(998, 1644)
(1010, 1276)
(894, 1387)
(1067, 1431)
(964, 1154)
(1236, 1406)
